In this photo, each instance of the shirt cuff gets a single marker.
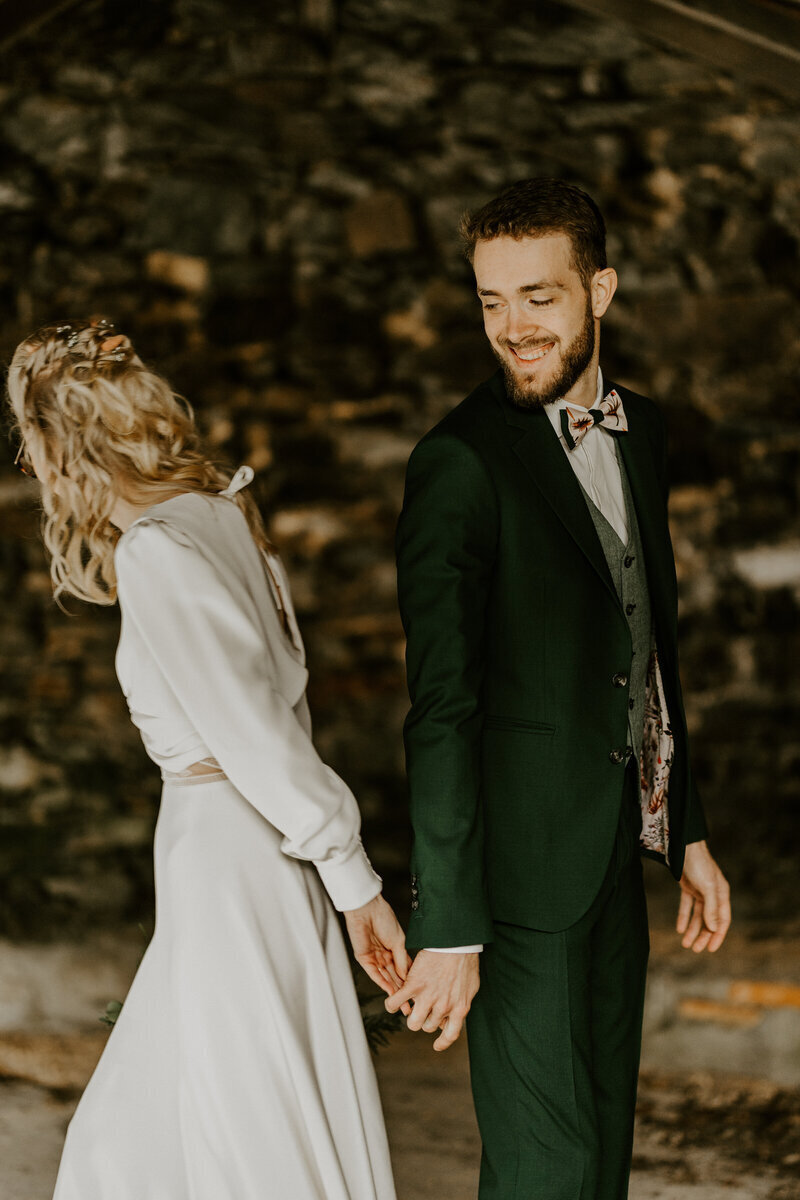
(455, 949)
(351, 881)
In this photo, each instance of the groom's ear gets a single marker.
(602, 289)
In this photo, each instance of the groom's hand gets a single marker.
(441, 987)
(704, 915)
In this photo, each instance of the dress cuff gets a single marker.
(351, 881)
(455, 949)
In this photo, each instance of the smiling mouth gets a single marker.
(532, 355)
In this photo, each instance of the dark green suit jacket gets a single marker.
(514, 636)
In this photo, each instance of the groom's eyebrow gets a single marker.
(542, 285)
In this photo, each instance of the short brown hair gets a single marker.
(535, 208)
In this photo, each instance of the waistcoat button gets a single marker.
(628, 560)
(629, 608)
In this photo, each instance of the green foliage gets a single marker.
(113, 1009)
(379, 1025)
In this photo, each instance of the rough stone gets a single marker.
(267, 201)
(379, 222)
(190, 216)
(183, 271)
(770, 566)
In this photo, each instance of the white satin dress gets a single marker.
(238, 1068)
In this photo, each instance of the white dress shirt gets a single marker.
(594, 461)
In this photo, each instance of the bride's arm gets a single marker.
(213, 656)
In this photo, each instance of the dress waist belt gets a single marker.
(206, 770)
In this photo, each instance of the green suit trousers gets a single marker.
(554, 1040)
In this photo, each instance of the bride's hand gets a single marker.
(379, 944)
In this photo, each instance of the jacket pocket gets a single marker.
(518, 725)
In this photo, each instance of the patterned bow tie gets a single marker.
(576, 423)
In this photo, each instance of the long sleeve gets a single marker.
(211, 651)
(446, 540)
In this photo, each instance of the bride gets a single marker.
(238, 1068)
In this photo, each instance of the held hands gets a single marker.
(441, 988)
(379, 944)
(704, 915)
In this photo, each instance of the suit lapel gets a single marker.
(536, 445)
(637, 455)
(542, 455)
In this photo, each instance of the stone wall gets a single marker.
(266, 197)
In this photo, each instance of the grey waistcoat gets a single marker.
(630, 582)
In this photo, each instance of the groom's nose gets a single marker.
(519, 325)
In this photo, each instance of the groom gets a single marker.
(546, 743)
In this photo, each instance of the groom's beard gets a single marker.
(575, 358)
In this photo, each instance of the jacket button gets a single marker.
(617, 756)
(620, 680)
(629, 608)
(414, 904)
(628, 560)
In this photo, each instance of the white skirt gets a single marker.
(238, 1068)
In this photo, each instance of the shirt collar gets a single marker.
(554, 410)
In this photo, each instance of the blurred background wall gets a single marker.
(266, 197)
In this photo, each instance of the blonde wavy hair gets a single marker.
(106, 426)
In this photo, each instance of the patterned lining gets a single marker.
(658, 752)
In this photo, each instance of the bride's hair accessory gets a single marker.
(84, 348)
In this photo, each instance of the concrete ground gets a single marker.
(702, 1137)
(719, 1108)
(687, 1145)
